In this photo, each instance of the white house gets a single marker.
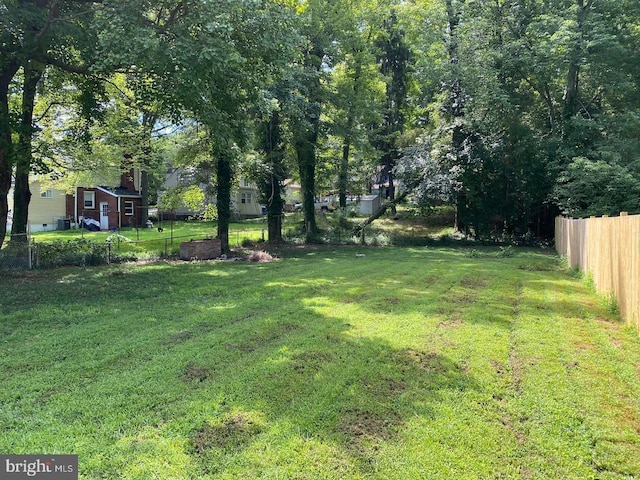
(245, 201)
(47, 208)
(244, 197)
(292, 194)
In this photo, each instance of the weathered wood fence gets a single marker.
(609, 249)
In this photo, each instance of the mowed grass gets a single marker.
(149, 241)
(326, 364)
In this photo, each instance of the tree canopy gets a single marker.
(511, 111)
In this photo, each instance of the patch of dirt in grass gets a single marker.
(337, 339)
(206, 327)
(178, 337)
(427, 361)
(385, 387)
(386, 304)
(610, 326)
(287, 327)
(517, 370)
(498, 366)
(310, 361)
(356, 298)
(359, 425)
(247, 347)
(571, 365)
(473, 282)
(458, 298)
(454, 321)
(195, 373)
(536, 267)
(233, 432)
(520, 437)
(263, 338)
(47, 394)
(616, 342)
(584, 346)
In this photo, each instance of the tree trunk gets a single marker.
(306, 153)
(6, 147)
(144, 200)
(148, 122)
(456, 106)
(224, 178)
(274, 228)
(344, 170)
(271, 187)
(346, 144)
(392, 192)
(571, 91)
(24, 154)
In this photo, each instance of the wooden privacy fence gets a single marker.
(609, 249)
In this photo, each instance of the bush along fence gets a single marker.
(29, 255)
(607, 249)
(25, 254)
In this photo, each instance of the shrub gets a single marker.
(260, 257)
(79, 252)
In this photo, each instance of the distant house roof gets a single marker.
(120, 192)
(289, 182)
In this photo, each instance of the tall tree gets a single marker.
(356, 86)
(394, 58)
(305, 107)
(71, 35)
(22, 195)
(216, 71)
(271, 173)
(33, 34)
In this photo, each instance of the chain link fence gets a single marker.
(16, 255)
(21, 253)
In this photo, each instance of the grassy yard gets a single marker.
(349, 363)
(152, 241)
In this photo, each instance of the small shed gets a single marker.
(369, 204)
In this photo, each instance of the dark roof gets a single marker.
(120, 191)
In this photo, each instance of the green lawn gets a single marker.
(152, 241)
(341, 363)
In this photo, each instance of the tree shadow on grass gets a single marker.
(350, 394)
(237, 370)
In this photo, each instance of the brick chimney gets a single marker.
(128, 180)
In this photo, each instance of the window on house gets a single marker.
(245, 198)
(246, 182)
(128, 208)
(89, 199)
(46, 194)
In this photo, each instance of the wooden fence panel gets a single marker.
(609, 249)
